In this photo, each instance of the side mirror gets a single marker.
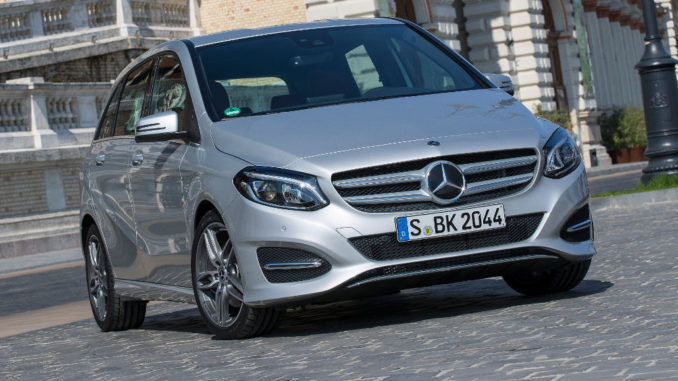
(160, 126)
(502, 81)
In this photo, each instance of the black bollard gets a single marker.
(660, 100)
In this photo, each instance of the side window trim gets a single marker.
(115, 97)
(148, 97)
(194, 132)
(124, 85)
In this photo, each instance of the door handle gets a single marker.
(137, 159)
(100, 159)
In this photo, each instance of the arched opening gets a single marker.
(552, 37)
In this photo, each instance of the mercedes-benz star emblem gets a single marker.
(445, 182)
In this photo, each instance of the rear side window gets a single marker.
(132, 100)
(108, 117)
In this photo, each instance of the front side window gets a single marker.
(170, 92)
(326, 66)
(132, 100)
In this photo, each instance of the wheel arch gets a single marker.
(87, 221)
(203, 208)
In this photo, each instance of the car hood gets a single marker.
(460, 121)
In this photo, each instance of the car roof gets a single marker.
(246, 33)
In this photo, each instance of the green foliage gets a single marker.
(560, 116)
(657, 183)
(623, 128)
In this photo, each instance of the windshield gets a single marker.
(320, 67)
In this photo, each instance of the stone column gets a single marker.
(619, 59)
(38, 107)
(444, 23)
(612, 86)
(35, 18)
(123, 17)
(194, 17)
(598, 65)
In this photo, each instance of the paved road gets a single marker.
(620, 323)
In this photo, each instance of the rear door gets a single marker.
(158, 182)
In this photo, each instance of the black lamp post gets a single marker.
(660, 100)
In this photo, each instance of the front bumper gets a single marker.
(326, 233)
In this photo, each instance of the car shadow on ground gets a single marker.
(408, 306)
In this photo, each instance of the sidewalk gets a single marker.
(32, 261)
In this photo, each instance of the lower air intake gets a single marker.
(286, 265)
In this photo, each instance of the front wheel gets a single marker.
(560, 279)
(217, 285)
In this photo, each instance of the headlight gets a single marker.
(561, 154)
(280, 188)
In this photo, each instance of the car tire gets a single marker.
(217, 285)
(110, 312)
(560, 279)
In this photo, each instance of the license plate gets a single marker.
(450, 223)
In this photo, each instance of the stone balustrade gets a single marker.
(31, 31)
(34, 114)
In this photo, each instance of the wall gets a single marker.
(221, 15)
(100, 68)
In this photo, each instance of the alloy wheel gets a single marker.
(220, 290)
(97, 278)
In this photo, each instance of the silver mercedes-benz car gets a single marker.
(253, 170)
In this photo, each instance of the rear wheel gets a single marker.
(217, 285)
(110, 312)
(549, 281)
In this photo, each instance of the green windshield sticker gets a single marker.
(232, 111)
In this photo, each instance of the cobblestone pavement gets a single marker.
(620, 323)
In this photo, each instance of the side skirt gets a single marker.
(136, 290)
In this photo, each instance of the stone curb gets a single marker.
(634, 199)
(616, 168)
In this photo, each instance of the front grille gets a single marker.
(446, 264)
(399, 187)
(384, 247)
(284, 255)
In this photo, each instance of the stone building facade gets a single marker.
(220, 15)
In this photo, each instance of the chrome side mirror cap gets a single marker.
(160, 126)
(502, 81)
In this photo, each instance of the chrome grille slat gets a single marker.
(494, 165)
(392, 178)
(488, 185)
(485, 178)
(388, 198)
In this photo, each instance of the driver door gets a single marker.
(157, 182)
